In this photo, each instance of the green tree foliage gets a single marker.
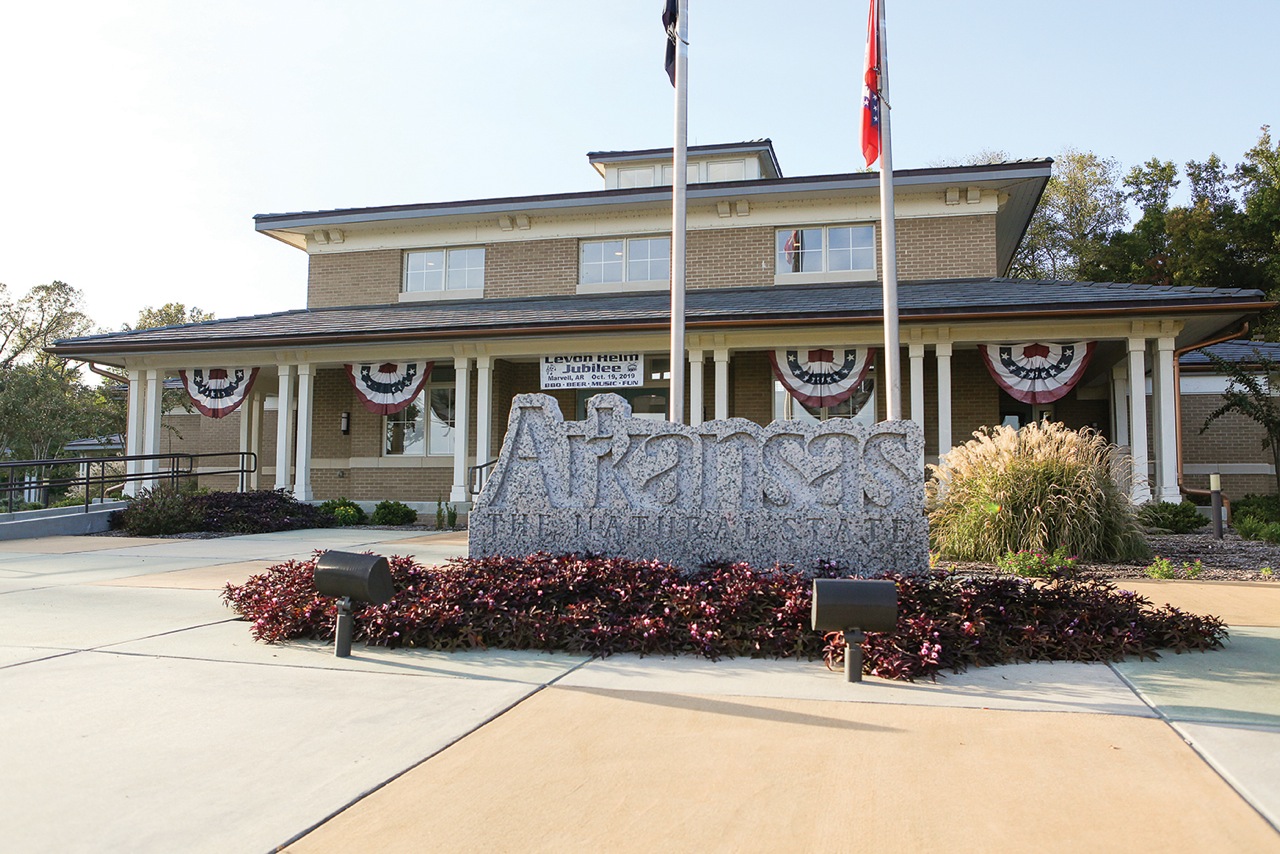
(169, 314)
(1082, 207)
(1251, 392)
(43, 402)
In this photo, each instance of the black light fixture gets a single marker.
(346, 423)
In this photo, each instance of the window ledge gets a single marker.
(428, 296)
(838, 276)
(623, 287)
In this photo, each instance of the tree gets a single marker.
(1142, 253)
(1251, 393)
(32, 322)
(1082, 207)
(169, 314)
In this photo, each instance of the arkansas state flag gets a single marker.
(871, 89)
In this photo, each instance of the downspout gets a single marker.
(104, 373)
(1177, 406)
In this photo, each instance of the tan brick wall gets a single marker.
(945, 247)
(1231, 439)
(975, 398)
(531, 268)
(354, 278)
(730, 258)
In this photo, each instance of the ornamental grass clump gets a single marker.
(1039, 489)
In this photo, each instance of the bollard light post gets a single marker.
(1215, 493)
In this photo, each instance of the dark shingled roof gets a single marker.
(953, 299)
(1233, 351)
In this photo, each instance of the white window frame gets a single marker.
(627, 283)
(447, 254)
(787, 408)
(826, 274)
(427, 451)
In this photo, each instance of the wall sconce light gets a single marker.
(346, 423)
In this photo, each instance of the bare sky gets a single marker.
(140, 137)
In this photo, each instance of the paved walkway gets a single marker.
(138, 715)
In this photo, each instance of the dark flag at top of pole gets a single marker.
(670, 21)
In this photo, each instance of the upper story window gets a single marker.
(834, 250)
(438, 271)
(635, 176)
(625, 263)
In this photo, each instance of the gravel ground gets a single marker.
(1232, 558)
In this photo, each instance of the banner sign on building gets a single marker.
(593, 370)
(218, 392)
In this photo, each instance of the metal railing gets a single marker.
(477, 475)
(19, 478)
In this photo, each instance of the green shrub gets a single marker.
(1161, 567)
(1037, 489)
(394, 513)
(344, 511)
(1249, 527)
(1264, 508)
(1037, 564)
(160, 511)
(1182, 518)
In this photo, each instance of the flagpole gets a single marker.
(678, 222)
(888, 237)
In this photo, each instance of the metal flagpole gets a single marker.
(678, 196)
(888, 237)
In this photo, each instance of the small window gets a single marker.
(426, 426)
(727, 170)
(690, 174)
(860, 406)
(635, 176)
(833, 249)
(444, 270)
(635, 259)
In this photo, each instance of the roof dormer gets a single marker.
(739, 161)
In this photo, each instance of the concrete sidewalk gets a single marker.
(140, 716)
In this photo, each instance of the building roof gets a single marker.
(706, 309)
(757, 147)
(1022, 182)
(1233, 351)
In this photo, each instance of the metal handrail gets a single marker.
(179, 466)
(477, 475)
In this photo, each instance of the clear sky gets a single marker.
(139, 138)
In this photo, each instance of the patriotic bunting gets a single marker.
(1037, 373)
(218, 392)
(388, 388)
(817, 378)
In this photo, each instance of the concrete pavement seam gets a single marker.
(360, 797)
(1172, 724)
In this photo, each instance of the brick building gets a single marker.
(480, 294)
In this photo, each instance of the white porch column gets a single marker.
(696, 409)
(1120, 404)
(302, 469)
(484, 409)
(151, 430)
(1166, 424)
(944, 398)
(462, 375)
(1156, 434)
(915, 354)
(133, 431)
(722, 383)
(1141, 487)
(255, 438)
(284, 428)
(245, 414)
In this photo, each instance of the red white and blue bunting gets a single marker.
(819, 377)
(387, 388)
(218, 392)
(1037, 373)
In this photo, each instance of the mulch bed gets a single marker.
(1232, 558)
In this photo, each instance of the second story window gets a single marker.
(625, 260)
(829, 249)
(439, 270)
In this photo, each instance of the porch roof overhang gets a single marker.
(945, 301)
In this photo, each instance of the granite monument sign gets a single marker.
(726, 490)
